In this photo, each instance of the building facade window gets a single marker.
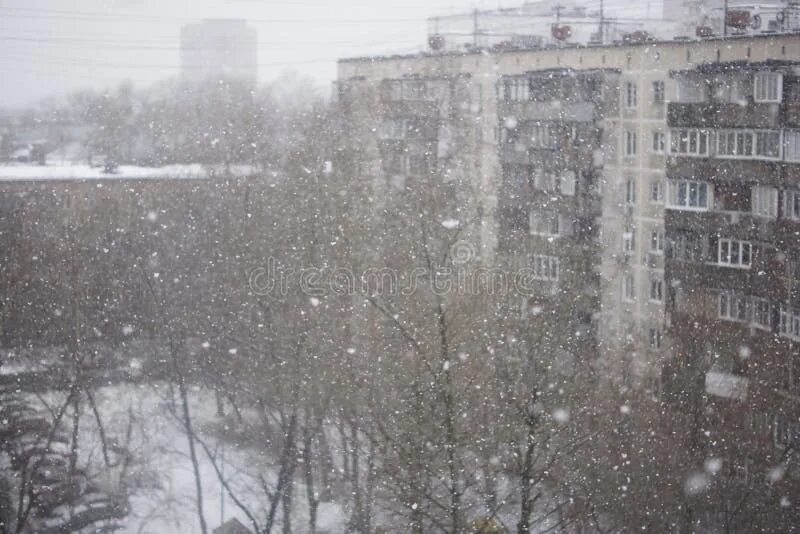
(762, 313)
(791, 145)
(688, 194)
(686, 247)
(690, 89)
(789, 322)
(629, 241)
(628, 287)
(545, 223)
(630, 143)
(781, 432)
(656, 191)
(655, 338)
(729, 87)
(657, 242)
(734, 253)
(689, 142)
(791, 204)
(631, 97)
(393, 128)
(517, 90)
(630, 192)
(764, 201)
(545, 268)
(756, 144)
(542, 135)
(768, 87)
(656, 290)
(733, 307)
(659, 142)
(567, 182)
(658, 92)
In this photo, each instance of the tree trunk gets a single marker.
(187, 422)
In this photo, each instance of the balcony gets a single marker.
(726, 115)
(413, 108)
(701, 275)
(721, 170)
(548, 111)
(735, 224)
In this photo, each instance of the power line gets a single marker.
(91, 63)
(85, 15)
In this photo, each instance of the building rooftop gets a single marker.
(677, 41)
(193, 171)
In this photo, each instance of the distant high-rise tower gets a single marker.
(219, 48)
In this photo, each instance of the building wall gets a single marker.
(624, 333)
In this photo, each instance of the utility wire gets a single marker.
(83, 15)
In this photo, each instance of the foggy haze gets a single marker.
(51, 47)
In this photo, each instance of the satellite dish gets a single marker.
(755, 22)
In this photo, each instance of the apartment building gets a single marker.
(732, 220)
(624, 125)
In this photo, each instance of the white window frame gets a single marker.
(628, 287)
(673, 192)
(789, 322)
(545, 268)
(659, 142)
(768, 87)
(630, 192)
(415, 90)
(749, 144)
(393, 128)
(791, 145)
(735, 144)
(733, 306)
(656, 191)
(655, 338)
(631, 95)
(781, 432)
(631, 142)
(517, 90)
(567, 183)
(541, 136)
(550, 220)
(629, 241)
(791, 204)
(731, 253)
(690, 142)
(659, 92)
(764, 201)
(759, 306)
(690, 90)
(657, 239)
(656, 290)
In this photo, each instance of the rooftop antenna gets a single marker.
(602, 23)
(558, 9)
(725, 19)
(475, 28)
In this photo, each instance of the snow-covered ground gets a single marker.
(165, 501)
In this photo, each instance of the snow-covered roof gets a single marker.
(193, 171)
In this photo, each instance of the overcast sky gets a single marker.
(51, 47)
